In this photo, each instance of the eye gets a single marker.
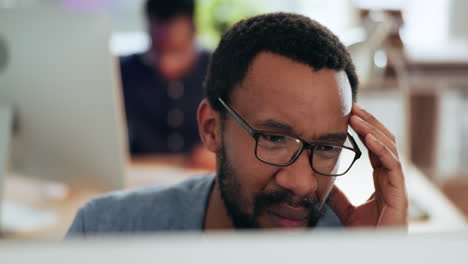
(276, 139)
(327, 152)
(325, 148)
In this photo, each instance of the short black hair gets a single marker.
(163, 10)
(291, 35)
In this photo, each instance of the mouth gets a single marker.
(285, 216)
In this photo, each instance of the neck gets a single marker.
(217, 217)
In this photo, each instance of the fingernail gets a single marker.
(372, 138)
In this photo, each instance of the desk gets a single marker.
(64, 203)
(443, 215)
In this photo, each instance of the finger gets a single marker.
(362, 136)
(386, 157)
(363, 128)
(379, 187)
(389, 192)
(340, 204)
(373, 159)
(376, 196)
(388, 161)
(357, 110)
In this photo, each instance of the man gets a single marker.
(163, 86)
(280, 91)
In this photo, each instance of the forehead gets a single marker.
(177, 30)
(312, 102)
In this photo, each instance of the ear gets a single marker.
(209, 126)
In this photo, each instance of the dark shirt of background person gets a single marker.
(163, 86)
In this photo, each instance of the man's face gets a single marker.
(283, 96)
(172, 46)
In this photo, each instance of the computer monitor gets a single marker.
(60, 87)
(328, 246)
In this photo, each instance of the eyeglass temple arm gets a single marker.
(237, 117)
(355, 146)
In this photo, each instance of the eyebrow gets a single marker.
(276, 125)
(340, 137)
(287, 129)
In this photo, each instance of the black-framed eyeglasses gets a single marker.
(330, 159)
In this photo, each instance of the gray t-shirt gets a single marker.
(163, 207)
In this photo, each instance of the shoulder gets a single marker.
(151, 208)
(205, 55)
(132, 65)
(329, 218)
(151, 193)
(131, 59)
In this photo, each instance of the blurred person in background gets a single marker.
(281, 92)
(163, 86)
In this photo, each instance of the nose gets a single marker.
(299, 178)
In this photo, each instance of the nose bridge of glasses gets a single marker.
(305, 150)
(308, 149)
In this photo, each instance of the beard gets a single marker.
(236, 204)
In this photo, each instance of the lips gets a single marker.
(288, 216)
